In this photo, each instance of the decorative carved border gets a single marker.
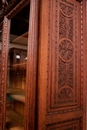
(7, 7)
(11, 5)
(4, 55)
(82, 54)
(17, 8)
(72, 124)
(12, 8)
(1, 97)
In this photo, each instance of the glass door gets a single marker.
(16, 70)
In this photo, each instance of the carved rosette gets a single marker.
(65, 93)
(66, 50)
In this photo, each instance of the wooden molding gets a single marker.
(31, 81)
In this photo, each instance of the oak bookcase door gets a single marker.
(62, 66)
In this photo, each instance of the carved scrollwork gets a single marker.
(66, 50)
(65, 93)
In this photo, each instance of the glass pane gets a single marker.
(16, 75)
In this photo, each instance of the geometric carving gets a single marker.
(65, 74)
(65, 93)
(65, 27)
(66, 53)
(70, 75)
(62, 74)
(66, 50)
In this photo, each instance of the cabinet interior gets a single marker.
(16, 70)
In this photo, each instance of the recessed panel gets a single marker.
(64, 63)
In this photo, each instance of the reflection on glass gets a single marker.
(16, 75)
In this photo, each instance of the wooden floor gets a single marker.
(14, 121)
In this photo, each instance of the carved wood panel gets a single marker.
(65, 70)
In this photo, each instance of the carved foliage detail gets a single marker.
(67, 10)
(65, 74)
(65, 27)
(62, 74)
(70, 77)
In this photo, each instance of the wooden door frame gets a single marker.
(31, 62)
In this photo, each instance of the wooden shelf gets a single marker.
(18, 97)
(19, 66)
(17, 94)
(14, 120)
(15, 91)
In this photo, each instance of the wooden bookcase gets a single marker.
(50, 87)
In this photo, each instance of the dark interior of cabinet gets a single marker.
(16, 74)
